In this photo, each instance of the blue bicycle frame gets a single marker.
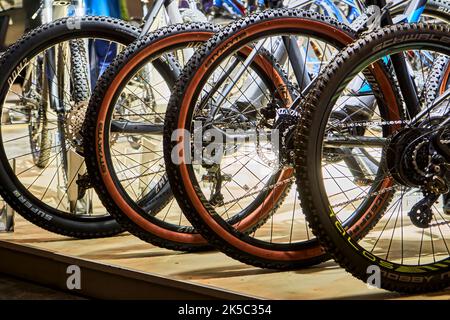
(230, 5)
(102, 53)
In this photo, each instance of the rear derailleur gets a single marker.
(415, 160)
(215, 177)
(436, 184)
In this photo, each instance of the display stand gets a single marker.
(126, 267)
(6, 212)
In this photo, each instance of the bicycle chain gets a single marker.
(443, 223)
(367, 124)
(345, 203)
(377, 123)
(262, 190)
(341, 204)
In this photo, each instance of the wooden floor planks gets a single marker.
(325, 281)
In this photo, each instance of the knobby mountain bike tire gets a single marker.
(232, 240)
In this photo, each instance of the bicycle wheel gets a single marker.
(123, 189)
(226, 92)
(409, 246)
(41, 165)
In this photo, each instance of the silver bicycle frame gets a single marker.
(172, 11)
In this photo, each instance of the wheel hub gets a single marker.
(407, 157)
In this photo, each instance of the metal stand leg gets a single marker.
(6, 212)
(6, 219)
(77, 167)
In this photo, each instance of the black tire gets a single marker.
(321, 216)
(435, 81)
(439, 9)
(300, 254)
(80, 71)
(11, 189)
(40, 141)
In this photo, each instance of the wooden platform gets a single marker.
(125, 267)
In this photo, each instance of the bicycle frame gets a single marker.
(172, 11)
(234, 7)
(407, 85)
(331, 9)
(47, 14)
